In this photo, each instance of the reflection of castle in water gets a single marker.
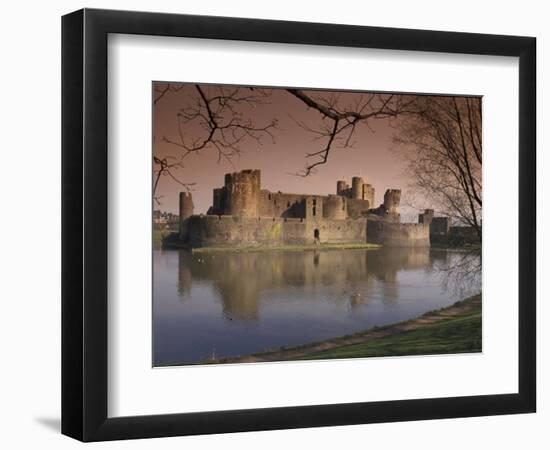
(240, 278)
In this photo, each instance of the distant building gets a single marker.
(165, 220)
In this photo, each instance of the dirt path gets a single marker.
(459, 308)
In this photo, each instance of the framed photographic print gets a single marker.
(274, 224)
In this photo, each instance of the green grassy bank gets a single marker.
(159, 236)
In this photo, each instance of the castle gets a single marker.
(244, 214)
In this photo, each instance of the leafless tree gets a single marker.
(221, 121)
(442, 145)
(216, 112)
(461, 274)
(224, 117)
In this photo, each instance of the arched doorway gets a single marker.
(316, 235)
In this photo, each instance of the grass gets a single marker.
(458, 334)
(158, 236)
(255, 248)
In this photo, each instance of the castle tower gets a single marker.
(335, 208)
(186, 205)
(392, 198)
(368, 194)
(426, 217)
(218, 201)
(186, 208)
(357, 187)
(242, 193)
(341, 187)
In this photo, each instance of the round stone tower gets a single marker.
(186, 205)
(357, 187)
(242, 191)
(186, 210)
(335, 207)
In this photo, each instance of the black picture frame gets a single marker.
(84, 224)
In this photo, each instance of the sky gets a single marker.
(370, 157)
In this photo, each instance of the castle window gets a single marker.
(288, 204)
(269, 196)
(314, 210)
(314, 202)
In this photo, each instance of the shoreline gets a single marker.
(296, 248)
(168, 241)
(429, 333)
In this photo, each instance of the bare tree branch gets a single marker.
(166, 168)
(161, 92)
(345, 118)
(442, 146)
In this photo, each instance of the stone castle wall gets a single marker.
(393, 234)
(278, 204)
(357, 207)
(440, 225)
(219, 231)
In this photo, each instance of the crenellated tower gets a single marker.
(392, 198)
(359, 190)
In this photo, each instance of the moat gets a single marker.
(223, 304)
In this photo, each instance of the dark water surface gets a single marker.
(221, 304)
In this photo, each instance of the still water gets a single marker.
(221, 304)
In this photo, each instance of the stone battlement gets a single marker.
(243, 196)
(391, 234)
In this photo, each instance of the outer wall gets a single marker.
(30, 331)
